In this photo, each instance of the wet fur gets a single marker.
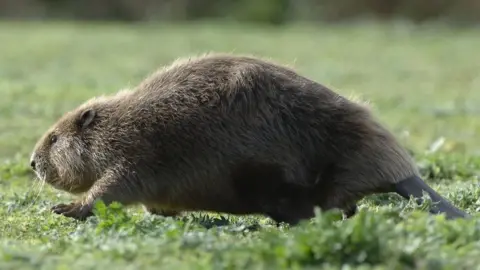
(222, 133)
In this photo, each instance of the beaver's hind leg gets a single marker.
(289, 210)
(262, 188)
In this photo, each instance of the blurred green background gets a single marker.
(264, 11)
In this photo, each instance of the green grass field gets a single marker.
(424, 84)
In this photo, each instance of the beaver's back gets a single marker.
(221, 100)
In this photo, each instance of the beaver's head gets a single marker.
(62, 157)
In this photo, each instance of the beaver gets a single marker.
(226, 133)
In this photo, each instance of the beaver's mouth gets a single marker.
(45, 176)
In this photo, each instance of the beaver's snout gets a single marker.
(34, 162)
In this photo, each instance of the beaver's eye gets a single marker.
(53, 139)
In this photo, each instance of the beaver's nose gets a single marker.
(32, 164)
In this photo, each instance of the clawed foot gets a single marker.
(74, 210)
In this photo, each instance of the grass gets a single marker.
(423, 83)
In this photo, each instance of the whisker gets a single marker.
(37, 183)
(42, 185)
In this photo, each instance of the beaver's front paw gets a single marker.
(74, 210)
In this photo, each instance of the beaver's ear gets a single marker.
(86, 118)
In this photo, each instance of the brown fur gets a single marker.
(222, 133)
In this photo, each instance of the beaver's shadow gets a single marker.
(225, 222)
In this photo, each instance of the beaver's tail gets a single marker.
(414, 186)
